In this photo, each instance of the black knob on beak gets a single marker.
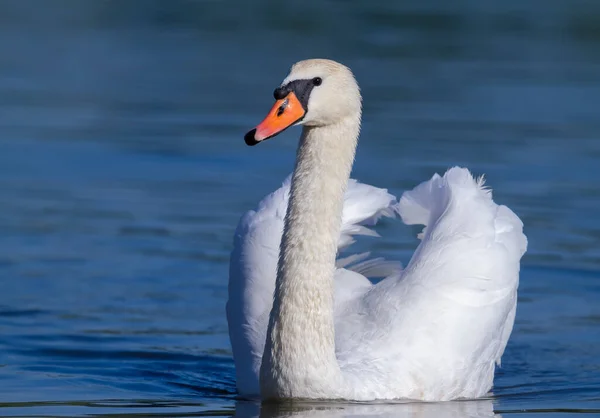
(281, 92)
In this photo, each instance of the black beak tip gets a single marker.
(249, 138)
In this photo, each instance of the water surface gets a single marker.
(123, 173)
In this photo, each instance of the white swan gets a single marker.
(303, 327)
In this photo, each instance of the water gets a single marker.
(123, 173)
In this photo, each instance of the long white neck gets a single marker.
(299, 359)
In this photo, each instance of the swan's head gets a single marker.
(316, 92)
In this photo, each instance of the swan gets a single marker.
(305, 324)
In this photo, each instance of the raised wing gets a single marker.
(438, 328)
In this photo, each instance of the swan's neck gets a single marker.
(299, 358)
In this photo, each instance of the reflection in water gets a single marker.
(458, 409)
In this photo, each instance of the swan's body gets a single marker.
(301, 327)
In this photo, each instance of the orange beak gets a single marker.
(283, 114)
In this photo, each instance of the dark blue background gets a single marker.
(123, 172)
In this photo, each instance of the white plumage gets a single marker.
(433, 331)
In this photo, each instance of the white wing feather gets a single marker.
(436, 330)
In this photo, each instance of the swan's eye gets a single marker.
(317, 81)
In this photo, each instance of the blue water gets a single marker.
(123, 173)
